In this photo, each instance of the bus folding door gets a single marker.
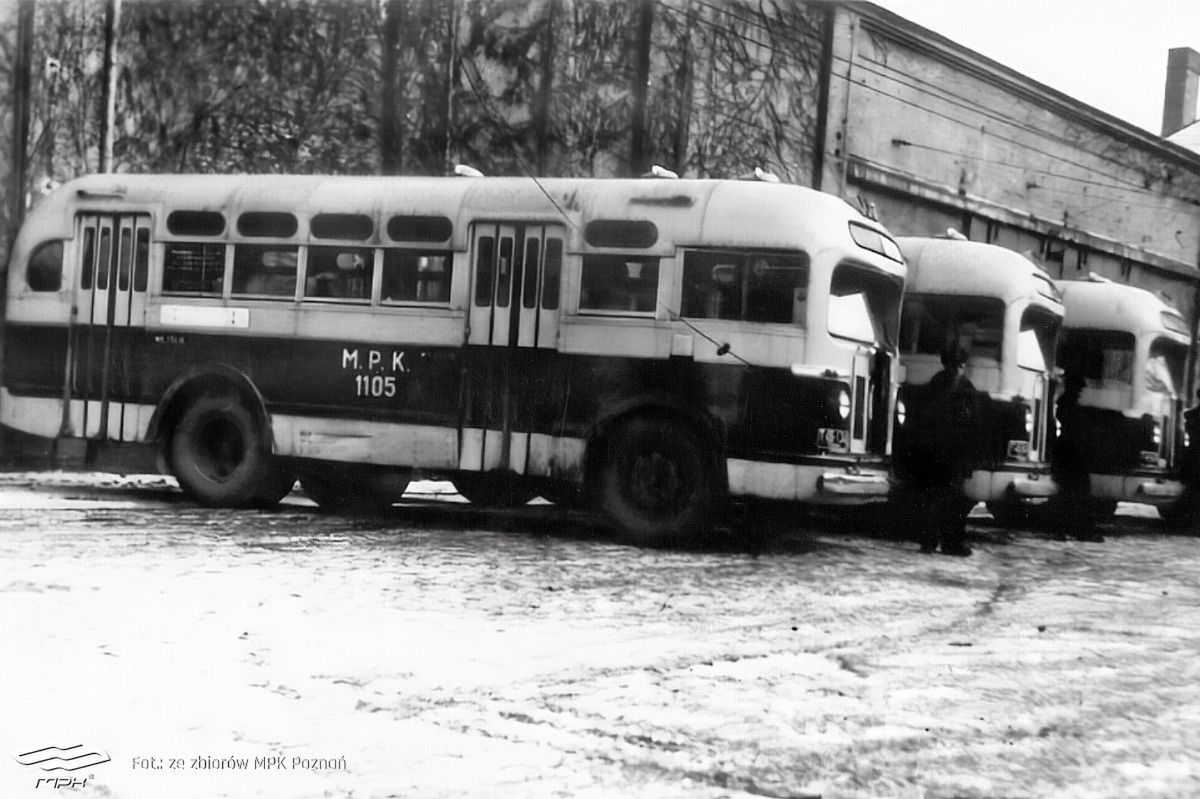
(512, 340)
(112, 271)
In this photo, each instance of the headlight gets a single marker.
(1028, 420)
(844, 404)
(901, 412)
(1187, 439)
(1157, 434)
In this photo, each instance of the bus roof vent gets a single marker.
(464, 171)
(760, 174)
(657, 171)
(1095, 278)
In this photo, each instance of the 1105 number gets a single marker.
(374, 386)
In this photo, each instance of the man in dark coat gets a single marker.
(1074, 513)
(948, 421)
(1184, 514)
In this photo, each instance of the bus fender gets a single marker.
(195, 380)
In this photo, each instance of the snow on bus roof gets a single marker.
(957, 266)
(740, 212)
(1105, 305)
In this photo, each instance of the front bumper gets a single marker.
(817, 483)
(1159, 490)
(1032, 486)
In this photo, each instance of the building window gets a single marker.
(416, 276)
(264, 270)
(618, 283)
(193, 268)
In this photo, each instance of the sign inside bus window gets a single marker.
(377, 370)
(833, 439)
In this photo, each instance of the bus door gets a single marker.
(113, 259)
(513, 324)
(860, 393)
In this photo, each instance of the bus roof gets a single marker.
(1105, 305)
(955, 266)
(729, 212)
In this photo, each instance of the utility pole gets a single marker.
(641, 78)
(545, 87)
(22, 81)
(108, 114)
(391, 129)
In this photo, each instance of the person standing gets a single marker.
(1184, 514)
(1073, 512)
(948, 420)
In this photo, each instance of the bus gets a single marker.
(1131, 349)
(651, 347)
(1005, 312)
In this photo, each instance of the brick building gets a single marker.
(938, 136)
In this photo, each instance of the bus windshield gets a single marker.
(1103, 357)
(1035, 342)
(1165, 367)
(864, 305)
(932, 322)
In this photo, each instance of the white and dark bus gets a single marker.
(1006, 313)
(1131, 349)
(654, 346)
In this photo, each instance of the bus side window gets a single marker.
(44, 272)
(264, 269)
(746, 286)
(342, 272)
(416, 276)
(193, 268)
(618, 283)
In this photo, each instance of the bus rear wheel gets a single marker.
(218, 457)
(494, 489)
(658, 482)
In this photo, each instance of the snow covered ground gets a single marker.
(435, 654)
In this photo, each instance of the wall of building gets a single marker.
(937, 136)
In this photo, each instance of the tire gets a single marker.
(658, 483)
(354, 490)
(217, 455)
(277, 486)
(494, 489)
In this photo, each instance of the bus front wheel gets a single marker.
(218, 457)
(658, 482)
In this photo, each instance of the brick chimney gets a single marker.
(1183, 81)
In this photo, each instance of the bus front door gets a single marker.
(513, 332)
(110, 306)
